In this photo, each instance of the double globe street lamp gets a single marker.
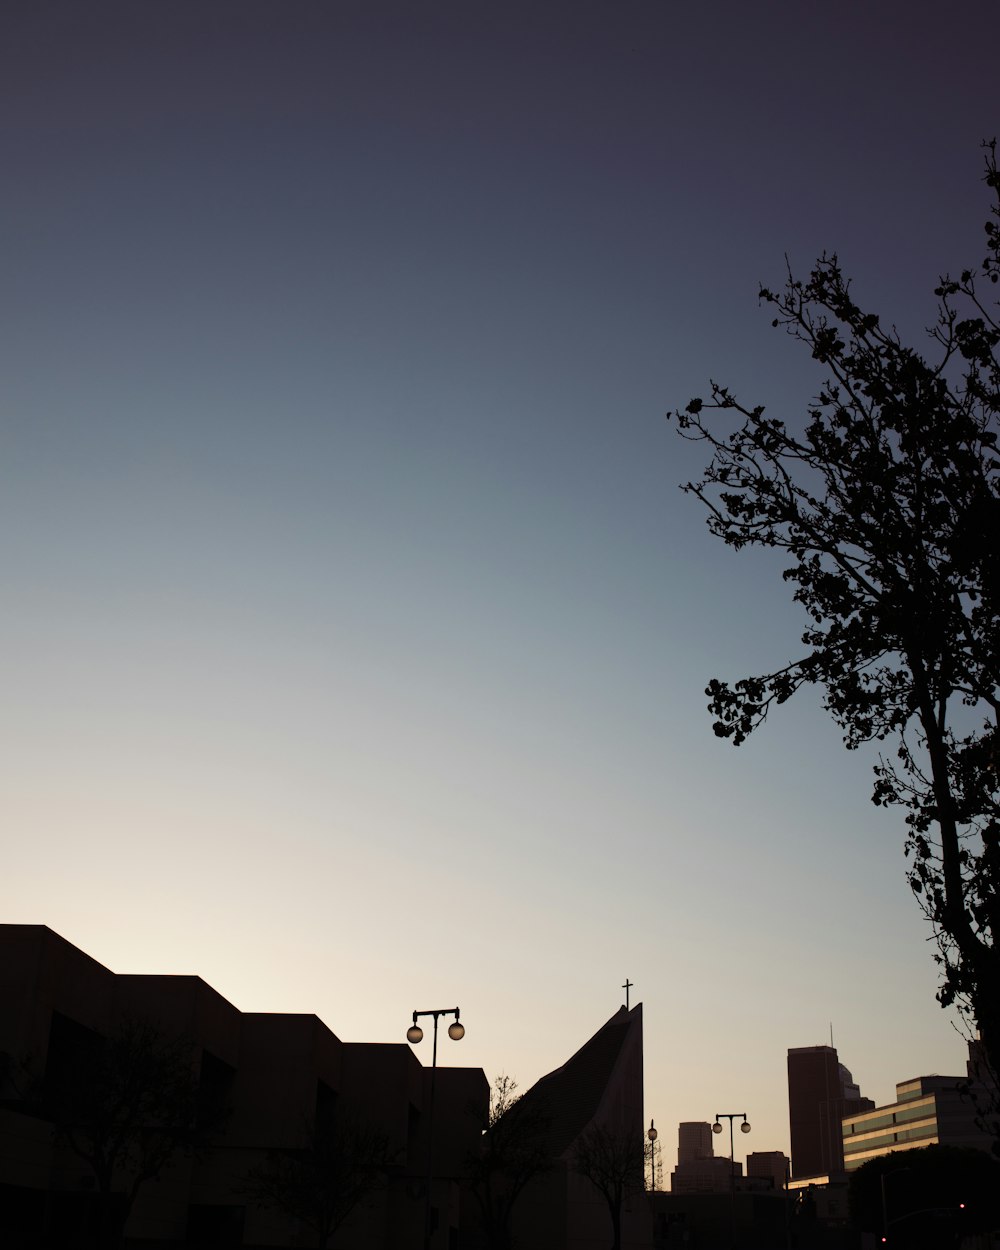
(744, 1128)
(415, 1034)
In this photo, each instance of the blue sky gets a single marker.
(355, 627)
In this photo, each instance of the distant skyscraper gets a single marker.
(770, 1163)
(697, 1170)
(821, 1092)
(694, 1141)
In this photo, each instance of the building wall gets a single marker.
(600, 1085)
(620, 1109)
(820, 1093)
(273, 1071)
(928, 1111)
(772, 1164)
(694, 1141)
(704, 1176)
(708, 1221)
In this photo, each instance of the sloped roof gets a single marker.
(568, 1098)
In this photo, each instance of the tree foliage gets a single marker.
(342, 1163)
(885, 500)
(125, 1105)
(512, 1153)
(933, 1196)
(613, 1161)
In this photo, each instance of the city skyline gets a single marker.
(357, 630)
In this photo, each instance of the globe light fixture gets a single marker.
(745, 1126)
(456, 1031)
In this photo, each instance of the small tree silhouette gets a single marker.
(343, 1162)
(512, 1153)
(125, 1105)
(612, 1160)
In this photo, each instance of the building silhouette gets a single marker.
(821, 1091)
(709, 1199)
(601, 1085)
(694, 1141)
(276, 1076)
(275, 1073)
(928, 1111)
(698, 1170)
(768, 1165)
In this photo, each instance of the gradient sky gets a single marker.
(355, 629)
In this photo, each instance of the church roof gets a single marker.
(568, 1098)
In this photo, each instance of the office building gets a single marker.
(705, 1176)
(770, 1165)
(821, 1091)
(694, 1141)
(928, 1111)
(698, 1171)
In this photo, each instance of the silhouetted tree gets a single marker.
(125, 1105)
(886, 501)
(612, 1160)
(512, 1153)
(933, 1197)
(342, 1163)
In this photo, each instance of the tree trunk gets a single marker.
(980, 960)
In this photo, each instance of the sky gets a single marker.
(355, 627)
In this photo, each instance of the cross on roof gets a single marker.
(626, 987)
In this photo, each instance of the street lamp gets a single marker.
(652, 1134)
(744, 1128)
(415, 1034)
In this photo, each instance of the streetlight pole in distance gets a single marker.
(744, 1128)
(652, 1134)
(415, 1034)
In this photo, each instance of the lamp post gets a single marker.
(744, 1128)
(652, 1134)
(414, 1034)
